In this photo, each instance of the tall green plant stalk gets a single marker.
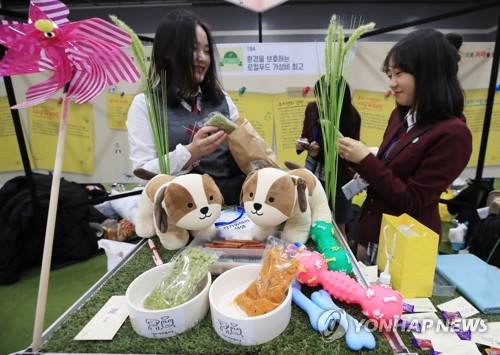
(156, 98)
(331, 95)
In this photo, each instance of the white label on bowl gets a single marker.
(164, 326)
(234, 332)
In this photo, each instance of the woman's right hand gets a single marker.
(205, 141)
(352, 150)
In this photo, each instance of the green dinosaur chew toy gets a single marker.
(222, 123)
(337, 258)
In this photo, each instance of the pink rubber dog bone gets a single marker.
(381, 304)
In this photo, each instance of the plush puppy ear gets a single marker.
(249, 175)
(159, 213)
(218, 192)
(144, 174)
(301, 193)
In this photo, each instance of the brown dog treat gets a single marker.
(236, 244)
(250, 241)
(255, 246)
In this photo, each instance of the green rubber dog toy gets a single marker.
(323, 235)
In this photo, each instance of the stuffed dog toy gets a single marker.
(272, 196)
(174, 207)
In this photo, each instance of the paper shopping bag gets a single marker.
(249, 149)
(412, 250)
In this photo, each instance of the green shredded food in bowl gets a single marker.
(177, 286)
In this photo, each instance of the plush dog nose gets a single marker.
(204, 210)
(257, 206)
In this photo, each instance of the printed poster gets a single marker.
(375, 110)
(10, 156)
(289, 117)
(258, 109)
(475, 108)
(44, 120)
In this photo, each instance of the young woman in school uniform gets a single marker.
(426, 144)
(184, 53)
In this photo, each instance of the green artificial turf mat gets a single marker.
(298, 337)
(18, 301)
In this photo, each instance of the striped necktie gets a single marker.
(194, 108)
(194, 104)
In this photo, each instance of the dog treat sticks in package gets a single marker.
(270, 289)
(189, 267)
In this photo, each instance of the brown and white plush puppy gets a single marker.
(272, 196)
(173, 207)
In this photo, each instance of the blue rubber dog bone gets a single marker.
(357, 335)
(312, 310)
(296, 284)
(324, 300)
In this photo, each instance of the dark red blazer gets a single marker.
(420, 166)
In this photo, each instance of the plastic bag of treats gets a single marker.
(189, 267)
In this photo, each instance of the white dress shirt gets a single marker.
(140, 136)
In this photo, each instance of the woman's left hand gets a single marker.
(352, 150)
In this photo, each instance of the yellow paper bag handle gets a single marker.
(389, 256)
(385, 276)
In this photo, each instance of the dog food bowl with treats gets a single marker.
(168, 322)
(231, 323)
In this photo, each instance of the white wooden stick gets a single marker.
(49, 231)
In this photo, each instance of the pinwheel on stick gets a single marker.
(85, 57)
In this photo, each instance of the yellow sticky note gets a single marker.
(117, 110)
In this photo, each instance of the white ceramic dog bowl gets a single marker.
(231, 323)
(164, 323)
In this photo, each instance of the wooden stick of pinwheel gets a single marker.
(85, 56)
(49, 231)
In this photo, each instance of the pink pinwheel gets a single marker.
(87, 55)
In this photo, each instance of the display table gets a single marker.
(298, 337)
